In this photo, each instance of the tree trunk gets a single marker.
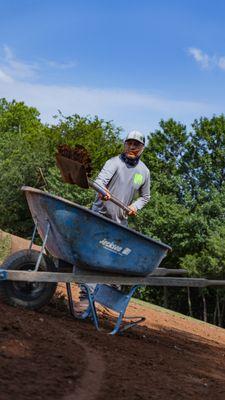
(218, 308)
(222, 312)
(165, 296)
(189, 302)
(215, 314)
(204, 308)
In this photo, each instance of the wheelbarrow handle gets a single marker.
(114, 199)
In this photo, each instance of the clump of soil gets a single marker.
(77, 153)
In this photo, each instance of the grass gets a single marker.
(5, 246)
(171, 312)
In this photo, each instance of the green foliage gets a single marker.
(163, 155)
(100, 138)
(163, 219)
(210, 261)
(15, 117)
(73, 193)
(102, 141)
(5, 246)
(187, 207)
(27, 157)
(203, 162)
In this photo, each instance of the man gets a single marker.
(125, 176)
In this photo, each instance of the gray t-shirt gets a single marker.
(125, 182)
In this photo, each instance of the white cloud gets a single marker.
(5, 77)
(202, 58)
(57, 65)
(127, 108)
(206, 61)
(16, 68)
(22, 70)
(221, 63)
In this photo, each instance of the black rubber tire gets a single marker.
(31, 295)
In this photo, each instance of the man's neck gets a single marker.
(130, 161)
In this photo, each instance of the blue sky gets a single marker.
(132, 62)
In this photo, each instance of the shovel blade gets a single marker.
(72, 171)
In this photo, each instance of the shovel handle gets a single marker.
(114, 199)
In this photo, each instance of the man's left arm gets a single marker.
(144, 194)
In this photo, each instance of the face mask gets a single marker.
(129, 161)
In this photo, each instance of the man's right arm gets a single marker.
(107, 172)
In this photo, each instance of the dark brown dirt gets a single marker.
(77, 153)
(48, 355)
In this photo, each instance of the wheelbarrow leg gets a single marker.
(34, 233)
(135, 320)
(117, 301)
(110, 298)
(43, 246)
(43, 243)
(89, 312)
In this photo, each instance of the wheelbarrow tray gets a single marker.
(88, 240)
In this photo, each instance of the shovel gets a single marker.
(74, 172)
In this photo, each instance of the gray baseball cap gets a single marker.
(136, 135)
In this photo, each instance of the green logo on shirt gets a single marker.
(138, 179)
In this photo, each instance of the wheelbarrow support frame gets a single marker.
(107, 296)
(110, 298)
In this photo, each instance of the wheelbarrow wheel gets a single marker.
(31, 295)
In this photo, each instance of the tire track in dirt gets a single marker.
(89, 385)
(91, 381)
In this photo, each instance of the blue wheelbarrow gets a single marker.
(78, 246)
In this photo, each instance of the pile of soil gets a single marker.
(77, 153)
(49, 355)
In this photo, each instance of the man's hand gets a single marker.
(133, 210)
(106, 197)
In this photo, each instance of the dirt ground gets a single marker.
(49, 355)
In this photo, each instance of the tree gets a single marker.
(163, 155)
(203, 165)
(99, 137)
(25, 148)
